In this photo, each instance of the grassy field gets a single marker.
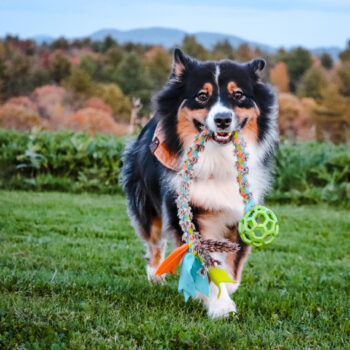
(72, 275)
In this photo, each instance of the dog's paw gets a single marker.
(151, 275)
(221, 308)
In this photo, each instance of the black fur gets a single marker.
(145, 179)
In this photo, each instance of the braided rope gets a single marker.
(199, 246)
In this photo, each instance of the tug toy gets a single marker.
(258, 226)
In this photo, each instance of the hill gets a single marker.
(169, 37)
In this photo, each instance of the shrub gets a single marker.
(49, 100)
(61, 160)
(13, 116)
(114, 97)
(67, 161)
(92, 121)
(312, 172)
(98, 103)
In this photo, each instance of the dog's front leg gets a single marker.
(223, 306)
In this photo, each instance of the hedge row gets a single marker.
(62, 161)
(68, 161)
(312, 173)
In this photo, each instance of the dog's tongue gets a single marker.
(222, 133)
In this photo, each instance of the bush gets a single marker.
(63, 160)
(67, 161)
(312, 173)
(14, 116)
(92, 121)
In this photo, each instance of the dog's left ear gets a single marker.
(180, 63)
(257, 65)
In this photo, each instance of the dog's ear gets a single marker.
(257, 65)
(180, 63)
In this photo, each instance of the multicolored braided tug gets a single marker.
(258, 226)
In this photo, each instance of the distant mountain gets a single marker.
(334, 51)
(171, 37)
(40, 39)
(168, 38)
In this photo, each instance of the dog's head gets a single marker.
(223, 96)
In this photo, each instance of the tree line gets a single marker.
(116, 73)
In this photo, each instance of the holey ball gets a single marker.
(259, 226)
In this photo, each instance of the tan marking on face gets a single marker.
(207, 88)
(249, 113)
(250, 131)
(232, 86)
(185, 127)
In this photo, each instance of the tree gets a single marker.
(345, 55)
(13, 116)
(60, 43)
(17, 73)
(88, 64)
(344, 78)
(192, 47)
(92, 121)
(326, 60)
(80, 82)
(312, 83)
(331, 115)
(298, 62)
(114, 56)
(59, 67)
(280, 56)
(159, 65)
(223, 50)
(132, 77)
(244, 53)
(279, 77)
(114, 97)
(108, 43)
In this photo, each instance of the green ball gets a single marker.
(259, 226)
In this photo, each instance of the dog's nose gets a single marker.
(223, 120)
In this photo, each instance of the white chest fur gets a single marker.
(215, 185)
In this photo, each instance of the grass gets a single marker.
(72, 275)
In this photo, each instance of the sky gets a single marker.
(310, 23)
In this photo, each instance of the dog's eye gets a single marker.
(202, 97)
(238, 95)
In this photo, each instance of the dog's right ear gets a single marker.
(180, 63)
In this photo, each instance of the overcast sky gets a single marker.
(310, 23)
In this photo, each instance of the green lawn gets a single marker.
(72, 275)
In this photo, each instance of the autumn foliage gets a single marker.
(92, 121)
(93, 85)
(19, 117)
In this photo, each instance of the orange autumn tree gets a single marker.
(19, 117)
(279, 77)
(92, 121)
(295, 117)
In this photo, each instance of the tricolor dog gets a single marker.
(222, 96)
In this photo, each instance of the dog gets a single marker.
(222, 96)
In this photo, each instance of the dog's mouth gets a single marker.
(219, 137)
(222, 137)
